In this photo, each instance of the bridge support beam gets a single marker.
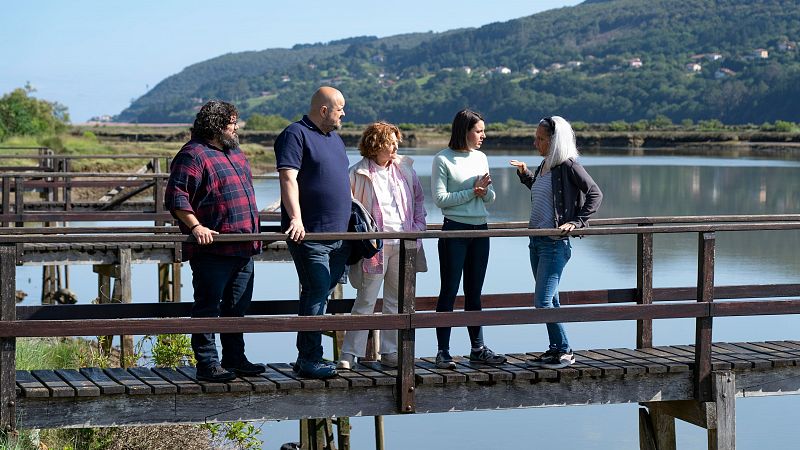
(121, 293)
(657, 421)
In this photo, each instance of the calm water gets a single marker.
(633, 186)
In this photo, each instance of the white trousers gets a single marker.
(355, 341)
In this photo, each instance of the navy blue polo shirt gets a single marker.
(322, 177)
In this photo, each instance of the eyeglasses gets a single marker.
(549, 123)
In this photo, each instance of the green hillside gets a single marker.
(600, 61)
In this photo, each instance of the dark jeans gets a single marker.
(320, 265)
(223, 287)
(457, 255)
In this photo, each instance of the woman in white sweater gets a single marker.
(462, 187)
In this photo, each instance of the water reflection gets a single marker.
(634, 185)
(681, 186)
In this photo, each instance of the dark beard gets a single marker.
(229, 141)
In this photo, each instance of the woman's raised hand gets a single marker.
(520, 165)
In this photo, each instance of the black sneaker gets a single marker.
(444, 360)
(559, 360)
(316, 369)
(486, 356)
(214, 373)
(543, 358)
(247, 369)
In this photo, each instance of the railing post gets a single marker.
(644, 286)
(125, 296)
(19, 199)
(406, 296)
(67, 187)
(6, 198)
(8, 345)
(158, 189)
(705, 294)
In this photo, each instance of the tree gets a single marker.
(21, 114)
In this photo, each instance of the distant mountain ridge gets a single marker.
(599, 61)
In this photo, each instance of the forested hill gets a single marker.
(602, 60)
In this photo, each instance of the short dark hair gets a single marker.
(212, 119)
(462, 123)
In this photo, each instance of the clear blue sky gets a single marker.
(96, 56)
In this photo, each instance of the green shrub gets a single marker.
(514, 123)
(243, 435)
(497, 126)
(785, 127)
(170, 350)
(661, 122)
(90, 136)
(53, 143)
(258, 121)
(711, 125)
(580, 125)
(405, 126)
(640, 125)
(618, 125)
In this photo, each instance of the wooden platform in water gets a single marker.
(135, 396)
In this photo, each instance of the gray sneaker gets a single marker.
(486, 356)
(444, 360)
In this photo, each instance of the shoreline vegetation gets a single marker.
(501, 135)
(780, 141)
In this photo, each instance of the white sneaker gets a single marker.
(389, 359)
(347, 361)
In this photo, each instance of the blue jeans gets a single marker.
(320, 265)
(457, 255)
(223, 287)
(548, 258)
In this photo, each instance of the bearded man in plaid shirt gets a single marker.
(210, 191)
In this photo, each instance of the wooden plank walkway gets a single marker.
(108, 397)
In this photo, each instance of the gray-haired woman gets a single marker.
(563, 196)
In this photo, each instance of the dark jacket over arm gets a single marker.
(575, 194)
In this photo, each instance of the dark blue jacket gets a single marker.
(575, 194)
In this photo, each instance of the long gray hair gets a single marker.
(562, 141)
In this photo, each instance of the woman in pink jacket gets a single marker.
(388, 187)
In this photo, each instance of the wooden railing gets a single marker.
(57, 191)
(644, 303)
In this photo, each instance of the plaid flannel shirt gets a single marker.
(217, 187)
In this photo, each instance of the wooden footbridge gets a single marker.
(697, 383)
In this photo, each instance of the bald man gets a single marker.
(315, 198)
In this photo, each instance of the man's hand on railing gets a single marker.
(296, 230)
(203, 235)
